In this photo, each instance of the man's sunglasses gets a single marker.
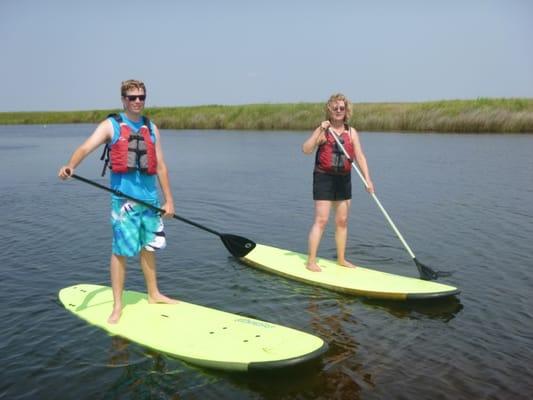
(141, 97)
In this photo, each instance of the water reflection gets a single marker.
(442, 309)
(118, 354)
(157, 376)
(343, 375)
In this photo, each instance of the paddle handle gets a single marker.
(380, 206)
(144, 203)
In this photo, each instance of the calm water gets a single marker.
(463, 202)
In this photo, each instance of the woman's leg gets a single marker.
(341, 231)
(322, 208)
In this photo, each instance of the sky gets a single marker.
(72, 55)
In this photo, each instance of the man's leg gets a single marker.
(150, 276)
(117, 269)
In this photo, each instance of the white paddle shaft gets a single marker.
(385, 213)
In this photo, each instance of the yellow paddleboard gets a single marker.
(196, 334)
(358, 281)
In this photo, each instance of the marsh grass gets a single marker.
(482, 115)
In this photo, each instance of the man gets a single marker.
(136, 162)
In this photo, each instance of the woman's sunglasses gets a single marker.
(338, 108)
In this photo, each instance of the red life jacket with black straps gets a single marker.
(132, 151)
(330, 158)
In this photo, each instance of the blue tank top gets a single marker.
(134, 183)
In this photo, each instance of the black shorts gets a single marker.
(332, 187)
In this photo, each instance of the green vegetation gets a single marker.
(480, 115)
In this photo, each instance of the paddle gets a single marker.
(238, 246)
(425, 272)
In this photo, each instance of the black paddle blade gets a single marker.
(238, 246)
(427, 273)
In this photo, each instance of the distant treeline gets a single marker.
(482, 115)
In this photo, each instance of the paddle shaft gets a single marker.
(160, 210)
(385, 213)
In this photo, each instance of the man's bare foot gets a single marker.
(313, 267)
(161, 298)
(115, 315)
(347, 264)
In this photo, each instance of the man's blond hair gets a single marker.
(131, 84)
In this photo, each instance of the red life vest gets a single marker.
(330, 158)
(132, 151)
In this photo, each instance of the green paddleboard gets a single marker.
(358, 281)
(198, 335)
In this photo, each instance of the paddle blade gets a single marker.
(427, 273)
(238, 246)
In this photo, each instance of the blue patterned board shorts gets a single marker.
(135, 227)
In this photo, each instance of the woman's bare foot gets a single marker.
(115, 315)
(161, 298)
(347, 264)
(313, 267)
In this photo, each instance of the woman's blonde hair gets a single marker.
(339, 97)
(131, 84)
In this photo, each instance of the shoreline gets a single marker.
(482, 115)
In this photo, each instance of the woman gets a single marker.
(332, 187)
